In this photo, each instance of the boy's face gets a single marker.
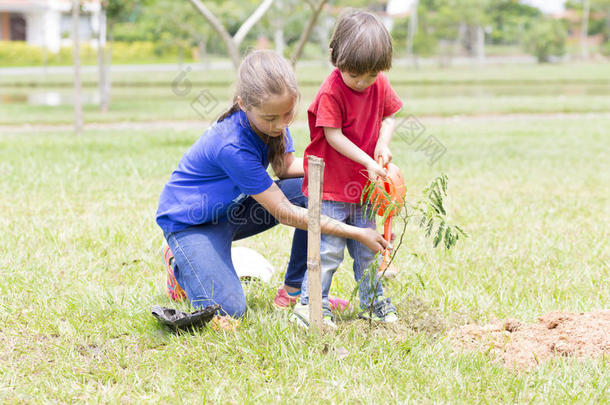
(358, 82)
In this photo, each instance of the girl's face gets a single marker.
(273, 115)
(358, 82)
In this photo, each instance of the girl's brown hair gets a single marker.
(360, 43)
(261, 74)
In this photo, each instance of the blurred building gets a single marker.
(48, 23)
(552, 7)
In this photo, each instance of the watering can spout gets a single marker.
(388, 195)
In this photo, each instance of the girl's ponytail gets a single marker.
(234, 108)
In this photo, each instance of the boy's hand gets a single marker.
(383, 151)
(374, 171)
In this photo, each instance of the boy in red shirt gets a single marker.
(351, 124)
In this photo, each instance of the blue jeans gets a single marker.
(202, 253)
(333, 247)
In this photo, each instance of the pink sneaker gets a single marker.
(284, 301)
(337, 304)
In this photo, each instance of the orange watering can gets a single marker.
(389, 191)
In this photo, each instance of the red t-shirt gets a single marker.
(359, 115)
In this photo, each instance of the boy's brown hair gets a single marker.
(360, 43)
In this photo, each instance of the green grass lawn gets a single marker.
(81, 269)
(462, 90)
(143, 104)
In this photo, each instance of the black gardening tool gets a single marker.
(177, 319)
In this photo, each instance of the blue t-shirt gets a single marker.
(227, 164)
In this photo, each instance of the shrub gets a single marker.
(18, 53)
(15, 53)
(546, 39)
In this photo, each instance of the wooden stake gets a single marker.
(316, 180)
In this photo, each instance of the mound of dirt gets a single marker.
(523, 346)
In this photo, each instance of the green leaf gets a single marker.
(444, 183)
(439, 234)
(461, 231)
(449, 241)
(429, 227)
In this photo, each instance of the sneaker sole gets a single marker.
(282, 307)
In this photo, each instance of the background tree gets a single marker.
(584, 31)
(232, 42)
(114, 11)
(546, 39)
(78, 107)
(509, 20)
(316, 9)
(594, 20)
(412, 30)
(285, 14)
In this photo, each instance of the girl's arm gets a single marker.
(339, 142)
(385, 137)
(293, 167)
(274, 201)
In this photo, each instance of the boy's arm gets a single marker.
(347, 148)
(385, 137)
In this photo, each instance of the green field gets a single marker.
(81, 264)
(429, 91)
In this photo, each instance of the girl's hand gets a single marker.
(374, 170)
(383, 151)
(372, 240)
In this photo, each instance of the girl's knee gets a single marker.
(234, 306)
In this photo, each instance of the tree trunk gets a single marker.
(480, 45)
(412, 30)
(180, 56)
(277, 26)
(607, 33)
(102, 68)
(322, 32)
(251, 21)
(584, 33)
(202, 50)
(108, 64)
(307, 31)
(220, 29)
(278, 39)
(78, 108)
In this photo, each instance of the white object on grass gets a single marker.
(249, 263)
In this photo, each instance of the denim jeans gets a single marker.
(202, 253)
(332, 249)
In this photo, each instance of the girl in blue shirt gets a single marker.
(221, 191)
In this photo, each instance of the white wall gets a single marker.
(46, 23)
(43, 29)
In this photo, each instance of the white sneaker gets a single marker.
(300, 315)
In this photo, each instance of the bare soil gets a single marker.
(522, 346)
